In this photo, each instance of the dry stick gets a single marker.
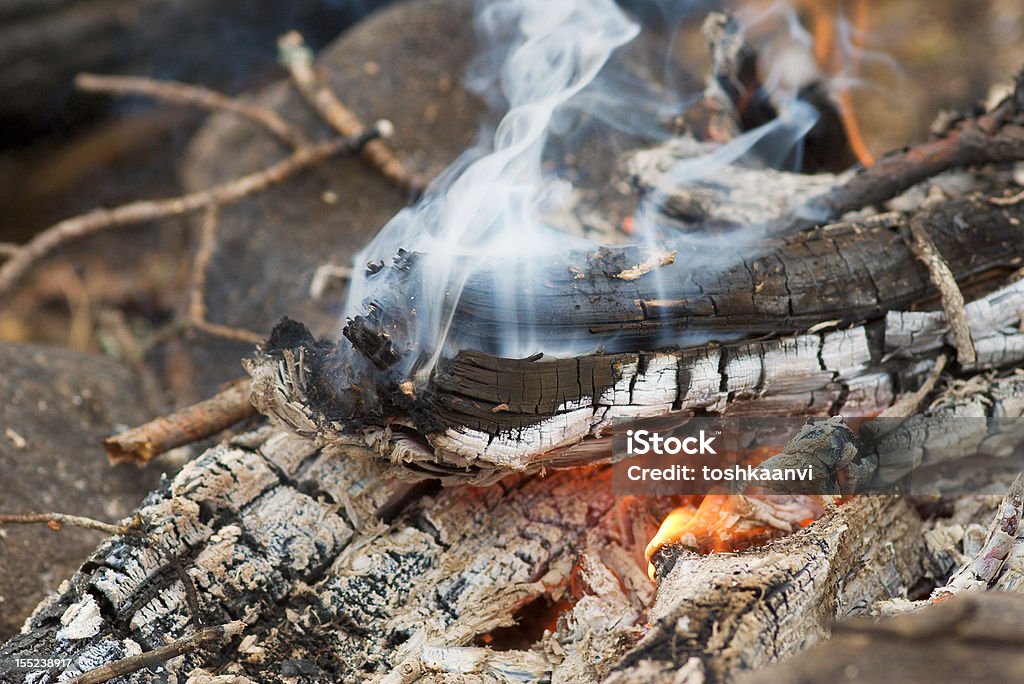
(197, 294)
(996, 136)
(138, 212)
(201, 264)
(952, 298)
(183, 93)
(906, 405)
(297, 58)
(190, 424)
(159, 655)
(56, 520)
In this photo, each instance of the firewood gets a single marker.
(481, 415)
(727, 613)
(331, 565)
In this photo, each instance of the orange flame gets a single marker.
(829, 55)
(733, 522)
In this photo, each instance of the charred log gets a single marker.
(480, 413)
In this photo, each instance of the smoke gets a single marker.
(565, 74)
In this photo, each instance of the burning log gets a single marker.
(723, 614)
(338, 573)
(427, 378)
(481, 415)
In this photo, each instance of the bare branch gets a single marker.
(297, 58)
(224, 194)
(56, 522)
(140, 444)
(196, 96)
(201, 263)
(952, 298)
(125, 666)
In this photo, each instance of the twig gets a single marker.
(990, 138)
(952, 298)
(228, 332)
(183, 93)
(908, 403)
(8, 249)
(138, 212)
(56, 521)
(197, 296)
(192, 423)
(201, 263)
(159, 655)
(324, 274)
(191, 595)
(1008, 201)
(297, 58)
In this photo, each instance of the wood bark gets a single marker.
(340, 574)
(723, 614)
(847, 272)
(482, 415)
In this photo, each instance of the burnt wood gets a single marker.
(478, 411)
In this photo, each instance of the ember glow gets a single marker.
(733, 522)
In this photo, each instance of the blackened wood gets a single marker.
(845, 272)
(994, 137)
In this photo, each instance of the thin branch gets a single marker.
(297, 58)
(228, 332)
(56, 521)
(190, 424)
(952, 298)
(134, 663)
(993, 137)
(8, 249)
(196, 96)
(201, 263)
(222, 195)
(907, 404)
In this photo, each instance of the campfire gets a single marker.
(650, 385)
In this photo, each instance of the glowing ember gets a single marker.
(733, 522)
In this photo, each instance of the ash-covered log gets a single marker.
(477, 415)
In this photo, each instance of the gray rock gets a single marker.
(56, 407)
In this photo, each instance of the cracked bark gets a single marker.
(482, 416)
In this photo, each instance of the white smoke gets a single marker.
(502, 206)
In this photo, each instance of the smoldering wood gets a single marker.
(993, 137)
(848, 272)
(724, 614)
(972, 429)
(735, 100)
(482, 415)
(341, 574)
(329, 563)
